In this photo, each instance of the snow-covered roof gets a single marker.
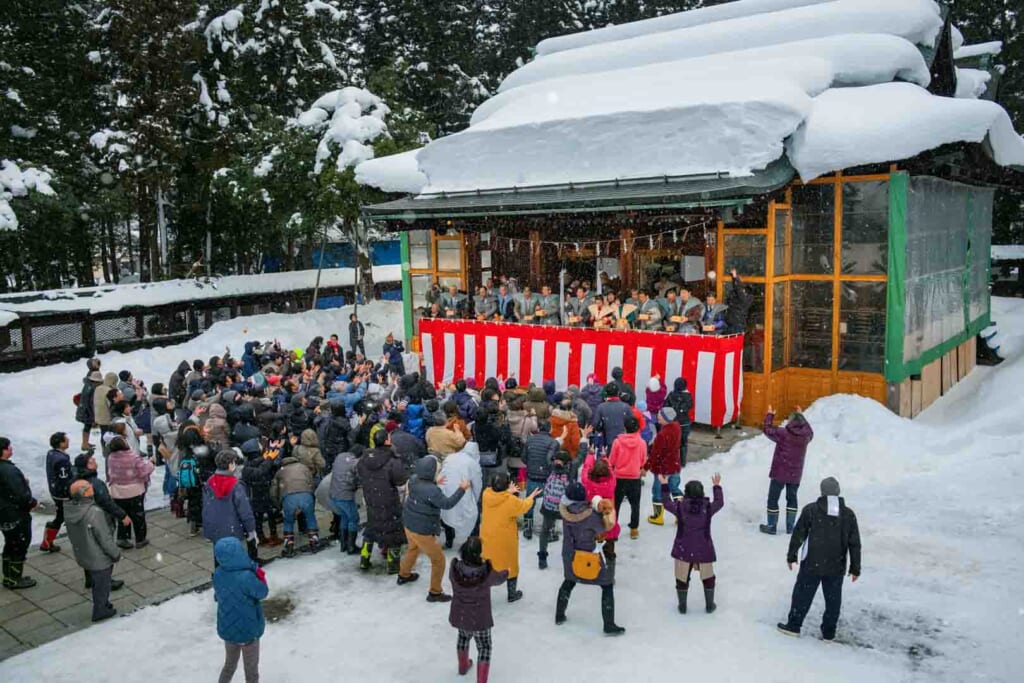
(723, 89)
(1008, 252)
(115, 297)
(394, 173)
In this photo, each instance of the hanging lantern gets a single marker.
(650, 241)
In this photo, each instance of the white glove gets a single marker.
(252, 537)
(595, 501)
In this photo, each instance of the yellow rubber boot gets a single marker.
(659, 515)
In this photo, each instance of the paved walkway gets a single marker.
(172, 564)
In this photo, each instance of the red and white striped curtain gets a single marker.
(712, 365)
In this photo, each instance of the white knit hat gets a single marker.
(653, 384)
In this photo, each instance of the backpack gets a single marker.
(188, 471)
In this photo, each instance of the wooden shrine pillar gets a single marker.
(626, 260)
(471, 260)
(535, 260)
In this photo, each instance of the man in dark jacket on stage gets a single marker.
(824, 535)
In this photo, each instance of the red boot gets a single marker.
(48, 545)
(482, 669)
(464, 662)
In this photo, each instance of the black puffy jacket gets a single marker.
(829, 540)
(681, 401)
(537, 453)
(381, 473)
(16, 499)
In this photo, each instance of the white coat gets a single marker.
(459, 467)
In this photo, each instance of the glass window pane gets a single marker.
(745, 253)
(753, 342)
(862, 326)
(447, 281)
(813, 229)
(865, 228)
(783, 228)
(419, 237)
(420, 286)
(810, 325)
(449, 255)
(779, 330)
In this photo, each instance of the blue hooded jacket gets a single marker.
(414, 413)
(249, 366)
(238, 590)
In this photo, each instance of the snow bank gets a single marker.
(668, 22)
(856, 126)
(971, 83)
(44, 394)
(938, 504)
(394, 173)
(115, 297)
(639, 128)
(918, 21)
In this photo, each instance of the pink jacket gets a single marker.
(629, 453)
(127, 474)
(605, 489)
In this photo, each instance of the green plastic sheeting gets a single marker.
(895, 292)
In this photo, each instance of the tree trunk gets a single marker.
(289, 260)
(115, 269)
(104, 257)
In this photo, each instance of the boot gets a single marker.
(289, 546)
(352, 548)
(790, 519)
(313, 544)
(609, 552)
(364, 556)
(193, 529)
(464, 662)
(343, 540)
(681, 590)
(788, 630)
(542, 560)
(608, 614)
(553, 536)
(482, 669)
(634, 534)
(773, 521)
(13, 578)
(709, 595)
(528, 528)
(334, 533)
(659, 515)
(562, 603)
(513, 594)
(48, 545)
(394, 559)
(438, 597)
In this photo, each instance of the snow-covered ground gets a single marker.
(939, 599)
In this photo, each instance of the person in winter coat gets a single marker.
(164, 436)
(462, 466)
(226, 507)
(598, 480)
(356, 332)
(828, 532)
(92, 539)
(422, 517)
(500, 508)
(16, 505)
(101, 405)
(239, 587)
(128, 475)
(406, 446)
(585, 524)
(791, 441)
(655, 394)
(592, 393)
(245, 428)
(551, 498)
(564, 425)
(85, 413)
(627, 458)
(693, 547)
(296, 414)
(622, 385)
(308, 453)
(663, 459)
(539, 450)
(609, 416)
(413, 420)
(86, 468)
(584, 413)
(493, 439)
(216, 426)
(250, 365)
(176, 385)
(394, 349)
(465, 402)
(344, 481)
(445, 438)
(681, 400)
(332, 431)
(58, 480)
(193, 458)
(537, 402)
(292, 489)
(738, 301)
(381, 473)
(472, 578)
(257, 474)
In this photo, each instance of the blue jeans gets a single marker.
(532, 486)
(775, 490)
(673, 488)
(299, 501)
(348, 512)
(170, 482)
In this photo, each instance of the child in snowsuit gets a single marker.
(693, 547)
(239, 587)
(554, 489)
(472, 578)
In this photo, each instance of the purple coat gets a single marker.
(790, 448)
(693, 532)
(471, 594)
(580, 528)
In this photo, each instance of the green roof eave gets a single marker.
(639, 194)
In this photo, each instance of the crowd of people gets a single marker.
(250, 445)
(671, 308)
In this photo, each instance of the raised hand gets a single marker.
(717, 479)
